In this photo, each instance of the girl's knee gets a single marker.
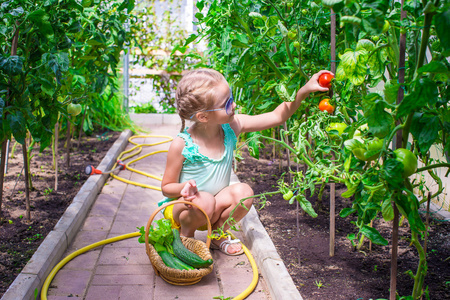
(207, 202)
(245, 191)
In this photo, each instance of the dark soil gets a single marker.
(19, 237)
(349, 274)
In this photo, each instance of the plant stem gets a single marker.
(27, 176)
(2, 174)
(429, 167)
(272, 65)
(421, 269)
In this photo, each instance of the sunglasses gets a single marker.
(228, 106)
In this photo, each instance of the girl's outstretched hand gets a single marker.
(189, 191)
(313, 84)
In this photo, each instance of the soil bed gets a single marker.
(349, 274)
(19, 238)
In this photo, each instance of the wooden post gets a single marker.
(55, 149)
(332, 185)
(427, 223)
(398, 144)
(2, 175)
(27, 176)
(14, 43)
(393, 285)
(68, 144)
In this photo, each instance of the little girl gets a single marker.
(199, 160)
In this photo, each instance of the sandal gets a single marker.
(224, 246)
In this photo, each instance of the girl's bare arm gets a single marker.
(247, 123)
(170, 186)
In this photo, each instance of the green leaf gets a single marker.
(425, 92)
(354, 65)
(373, 235)
(86, 3)
(18, 127)
(282, 28)
(253, 144)
(336, 5)
(414, 219)
(434, 67)
(351, 189)
(190, 39)
(282, 92)
(160, 236)
(392, 173)
(391, 91)
(379, 120)
(442, 23)
(425, 129)
(306, 206)
(58, 63)
(346, 212)
(351, 20)
(386, 210)
(226, 42)
(41, 19)
(94, 42)
(12, 65)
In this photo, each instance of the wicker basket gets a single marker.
(174, 276)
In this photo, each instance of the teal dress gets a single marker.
(211, 175)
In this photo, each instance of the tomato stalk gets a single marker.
(286, 42)
(421, 269)
(272, 65)
(424, 41)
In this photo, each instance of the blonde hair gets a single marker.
(196, 92)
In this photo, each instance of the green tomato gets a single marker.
(408, 160)
(304, 12)
(292, 34)
(297, 44)
(74, 109)
(290, 4)
(375, 38)
(339, 127)
(288, 195)
(371, 150)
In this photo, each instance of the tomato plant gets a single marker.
(51, 55)
(249, 41)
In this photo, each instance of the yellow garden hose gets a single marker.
(137, 146)
(71, 256)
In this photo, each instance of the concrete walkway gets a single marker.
(107, 207)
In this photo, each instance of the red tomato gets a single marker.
(325, 105)
(325, 80)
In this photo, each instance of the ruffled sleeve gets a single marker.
(190, 150)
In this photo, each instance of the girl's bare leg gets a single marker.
(192, 218)
(226, 200)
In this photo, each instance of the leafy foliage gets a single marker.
(377, 93)
(52, 54)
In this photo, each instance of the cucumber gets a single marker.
(185, 254)
(181, 263)
(174, 262)
(168, 260)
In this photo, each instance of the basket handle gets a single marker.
(150, 220)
